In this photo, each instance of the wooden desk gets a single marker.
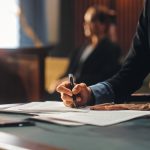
(14, 142)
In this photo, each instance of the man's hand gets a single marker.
(82, 92)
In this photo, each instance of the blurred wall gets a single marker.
(53, 20)
(60, 23)
(128, 12)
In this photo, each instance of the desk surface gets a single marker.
(133, 135)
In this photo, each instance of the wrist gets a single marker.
(90, 99)
(103, 93)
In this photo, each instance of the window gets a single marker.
(9, 25)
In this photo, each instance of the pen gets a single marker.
(17, 124)
(71, 79)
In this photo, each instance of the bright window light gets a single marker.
(9, 23)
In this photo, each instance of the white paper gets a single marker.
(48, 106)
(4, 106)
(57, 121)
(52, 110)
(99, 118)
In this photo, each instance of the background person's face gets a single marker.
(93, 28)
(88, 24)
(88, 29)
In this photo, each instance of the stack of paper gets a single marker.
(56, 112)
(98, 118)
(5, 106)
(41, 107)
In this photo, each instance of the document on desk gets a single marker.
(5, 106)
(57, 121)
(47, 106)
(98, 118)
(52, 110)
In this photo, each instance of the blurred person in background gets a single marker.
(98, 58)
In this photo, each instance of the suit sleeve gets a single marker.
(137, 63)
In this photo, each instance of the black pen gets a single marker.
(17, 124)
(71, 79)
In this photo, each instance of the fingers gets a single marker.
(79, 101)
(66, 93)
(77, 89)
(64, 88)
(67, 100)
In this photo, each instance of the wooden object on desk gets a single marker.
(140, 97)
(29, 64)
(142, 107)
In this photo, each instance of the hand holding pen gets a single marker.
(81, 92)
(72, 84)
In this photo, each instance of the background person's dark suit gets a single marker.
(137, 64)
(101, 64)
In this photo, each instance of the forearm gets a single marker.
(102, 93)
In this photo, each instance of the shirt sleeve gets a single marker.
(102, 93)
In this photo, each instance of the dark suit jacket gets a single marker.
(137, 63)
(102, 63)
